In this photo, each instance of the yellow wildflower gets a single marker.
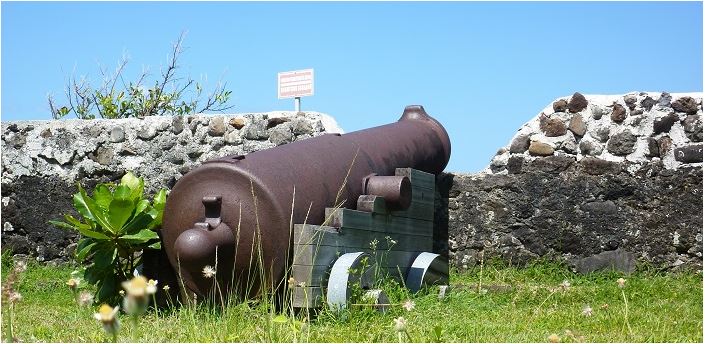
(107, 316)
(151, 286)
(138, 290)
(139, 287)
(73, 283)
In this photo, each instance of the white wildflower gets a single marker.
(442, 291)
(400, 324)
(14, 297)
(208, 271)
(20, 266)
(373, 244)
(84, 298)
(621, 282)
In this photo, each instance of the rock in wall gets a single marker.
(593, 180)
(42, 161)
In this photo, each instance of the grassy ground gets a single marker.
(661, 308)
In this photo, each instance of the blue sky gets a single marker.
(482, 69)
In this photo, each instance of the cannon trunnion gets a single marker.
(238, 213)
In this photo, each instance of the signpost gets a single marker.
(295, 84)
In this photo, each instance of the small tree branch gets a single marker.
(163, 97)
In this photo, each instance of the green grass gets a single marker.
(663, 307)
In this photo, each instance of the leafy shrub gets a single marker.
(168, 95)
(117, 224)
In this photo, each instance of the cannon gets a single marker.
(258, 218)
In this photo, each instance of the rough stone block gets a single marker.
(520, 144)
(597, 166)
(600, 207)
(540, 148)
(653, 147)
(552, 164)
(665, 99)
(275, 121)
(117, 134)
(147, 133)
(598, 111)
(647, 103)
(514, 164)
(685, 104)
(216, 126)
(622, 143)
(664, 146)
(618, 260)
(569, 146)
(689, 154)
(630, 100)
(301, 127)
(553, 126)
(577, 125)
(693, 127)
(601, 133)
(237, 122)
(177, 124)
(577, 103)
(589, 147)
(619, 113)
(256, 131)
(281, 135)
(664, 124)
(560, 105)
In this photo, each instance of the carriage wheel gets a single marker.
(427, 269)
(347, 270)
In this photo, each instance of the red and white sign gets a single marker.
(294, 84)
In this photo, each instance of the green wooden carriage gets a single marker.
(328, 259)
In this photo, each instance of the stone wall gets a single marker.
(593, 180)
(42, 161)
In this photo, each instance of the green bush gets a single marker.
(117, 224)
(170, 94)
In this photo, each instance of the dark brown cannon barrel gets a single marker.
(235, 206)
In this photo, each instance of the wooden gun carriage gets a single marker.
(400, 241)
